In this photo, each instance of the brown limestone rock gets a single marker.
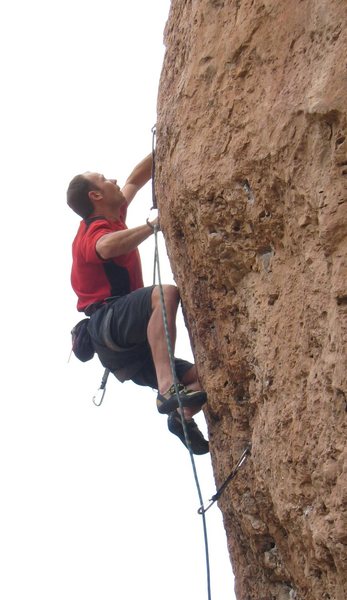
(251, 180)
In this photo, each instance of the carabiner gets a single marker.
(102, 389)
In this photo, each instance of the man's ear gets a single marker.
(94, 195)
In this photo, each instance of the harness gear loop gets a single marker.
(102, 389)
(217, 495)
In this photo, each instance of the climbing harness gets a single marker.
(217, 495)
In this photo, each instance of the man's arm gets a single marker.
(117, 243)
(137, 178)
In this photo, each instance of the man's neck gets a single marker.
(110, 215)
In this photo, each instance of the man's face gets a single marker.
(108, 188)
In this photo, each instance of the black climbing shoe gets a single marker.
(198, 443)
(167, 402)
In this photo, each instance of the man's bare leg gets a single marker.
(156, 334)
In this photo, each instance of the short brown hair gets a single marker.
(78, 196)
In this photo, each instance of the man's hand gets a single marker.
(154, 223)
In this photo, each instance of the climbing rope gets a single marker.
(202, 510)
(175, 381)
(173, 369)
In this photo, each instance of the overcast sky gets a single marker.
(96, 503)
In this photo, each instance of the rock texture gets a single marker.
(251, 181)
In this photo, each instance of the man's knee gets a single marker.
(171, 296)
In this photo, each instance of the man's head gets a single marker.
(93, 192)
(78, 196)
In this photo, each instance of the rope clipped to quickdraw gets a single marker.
(99, 395)
(217, 495)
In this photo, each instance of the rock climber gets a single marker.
(126, 323)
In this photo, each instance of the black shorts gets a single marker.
(125, 319)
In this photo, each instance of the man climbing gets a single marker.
(126, 323)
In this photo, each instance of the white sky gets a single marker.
(96, 503)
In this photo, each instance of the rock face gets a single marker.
(251, 180)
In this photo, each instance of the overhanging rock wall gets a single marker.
(251, 180)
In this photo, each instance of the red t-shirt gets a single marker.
(94, 279)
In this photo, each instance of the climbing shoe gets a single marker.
(167, 402)
(198, 443)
